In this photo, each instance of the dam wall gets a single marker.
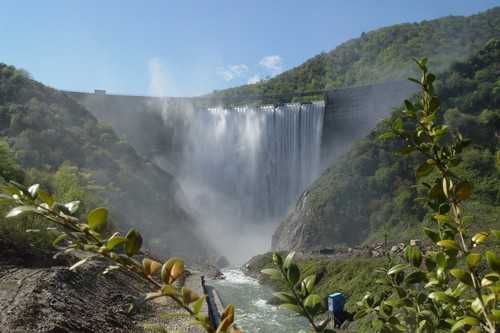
(349, 115)
(255, 159)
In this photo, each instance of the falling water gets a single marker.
(253, 162)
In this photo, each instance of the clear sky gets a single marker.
(187, 47)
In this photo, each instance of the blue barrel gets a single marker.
(336, 302)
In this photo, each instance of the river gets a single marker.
(253, 314)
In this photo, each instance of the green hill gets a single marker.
(383, 54)
(59, 143)
(369, 192)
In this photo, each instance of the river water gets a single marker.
(253, 314)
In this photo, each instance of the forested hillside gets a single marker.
(57, 142)
(383, 54)
(369, 194)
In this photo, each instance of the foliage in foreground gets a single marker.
(455, 286)
(299, 296)
(122, 250)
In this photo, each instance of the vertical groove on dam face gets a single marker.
(258, 158)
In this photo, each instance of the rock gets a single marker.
(55, 299)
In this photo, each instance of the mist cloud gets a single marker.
(158, 81)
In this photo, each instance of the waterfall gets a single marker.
(252, 162)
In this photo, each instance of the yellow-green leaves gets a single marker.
(397, 268)
(285, 297)
(171, 270)
(465, 322)
(493, 261)
(115, 240)
(97, 219)
(425, 168)
(189, 296)
(313, 304)
(473, 260)
(413, 255)
(149, 266)
(272, 273)
(448, 244)
(480, 237)
(461, 276)
(133, 242)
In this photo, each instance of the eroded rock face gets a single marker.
(304, 229)
(37, 297)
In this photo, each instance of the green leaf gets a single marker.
(277, 260)
(448, 244)
(409, 105)
(397, 268)
(424, 169)
(97, 218)
(413, 255)
(473, 260)
(45, 197)
(466, 321)
(496, 233)
(115, 240)
(59, 239)
(493, 261)
(461, 275)
(309, 282)
(433, 235)
(133, 243)
(312, 304)
(292, 307)
(288, 260)
(19, 210)
(480, 237)
(293, 273)
(441, 296)
(416, 277)
(198, 304)
(273, 273)
(285, 297)
(441, 260)
(387, 136)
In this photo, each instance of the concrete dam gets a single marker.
(245, 161)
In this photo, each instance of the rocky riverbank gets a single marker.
(41, 295)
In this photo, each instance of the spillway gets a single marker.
(252, 162)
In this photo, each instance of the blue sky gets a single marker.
(185, 48)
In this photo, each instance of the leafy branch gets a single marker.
(90, 237)
(459, 288)
(299, 297)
